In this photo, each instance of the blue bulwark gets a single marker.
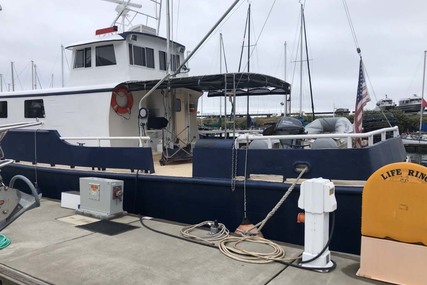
(45, 146)
(214, 158)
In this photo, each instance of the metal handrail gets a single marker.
(11, 126)
(99, 139)
(217, 132)
(250, 136)
(348, 136)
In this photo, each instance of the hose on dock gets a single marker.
(4, 241)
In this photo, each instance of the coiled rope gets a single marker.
(208, 237)
(231, 246)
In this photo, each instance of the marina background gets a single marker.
(389, 33)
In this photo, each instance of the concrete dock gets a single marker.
(49, 245)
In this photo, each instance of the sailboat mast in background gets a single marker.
(423, 103)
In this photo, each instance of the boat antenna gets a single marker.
(123, 9)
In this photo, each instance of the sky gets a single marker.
(390, 33)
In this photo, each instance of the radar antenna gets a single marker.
(125, 6)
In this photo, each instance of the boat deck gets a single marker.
(185, 169)
(48, 246)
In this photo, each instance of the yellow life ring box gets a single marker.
(394, 203)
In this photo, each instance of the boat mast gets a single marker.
(308, 65)
(300, 65)
(13, 78)
(422, 94)
(221, 54)
(285, 111)
(248, 29)
(33, 75)
(248, 119)
(62, 65)
(168, 54)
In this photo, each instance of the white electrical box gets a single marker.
(101, 197)
(317, 198)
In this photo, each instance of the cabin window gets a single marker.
(130, 55)
(162, 60)
(177, 105)
(105, 55)
(34, 108)
(149, 52)
(175, 61)
(141, 56)
(83, 58)
(3, 109)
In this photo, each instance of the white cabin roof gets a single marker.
(100, 39)
(117, 37)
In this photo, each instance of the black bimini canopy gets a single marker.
(245, 84)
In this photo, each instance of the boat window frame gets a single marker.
(177, 105)
(108, 60)
(138, 55)
(3, 109)
(149, 57)
(141, 56)
(175, 61)
(34, 108)
(162, 60)
(85, 56)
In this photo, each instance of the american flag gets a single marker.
(361, 100)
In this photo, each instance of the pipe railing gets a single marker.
(226, 132)
(99, 139)
(11, 126)
(348, 136)
(254, 135)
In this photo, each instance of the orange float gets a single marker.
(121, 100)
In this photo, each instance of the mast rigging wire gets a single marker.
(359, 51)
(350, 22)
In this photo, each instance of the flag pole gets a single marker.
(362, 98)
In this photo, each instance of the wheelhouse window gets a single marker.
(83, 58)
(34, 108)
(105, 55)
(141, 56)
(162, 60)
(175, 61)
(149, 52)
(3, 109)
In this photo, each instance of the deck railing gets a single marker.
(251, 135)
(347, 136)
(99, 139)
